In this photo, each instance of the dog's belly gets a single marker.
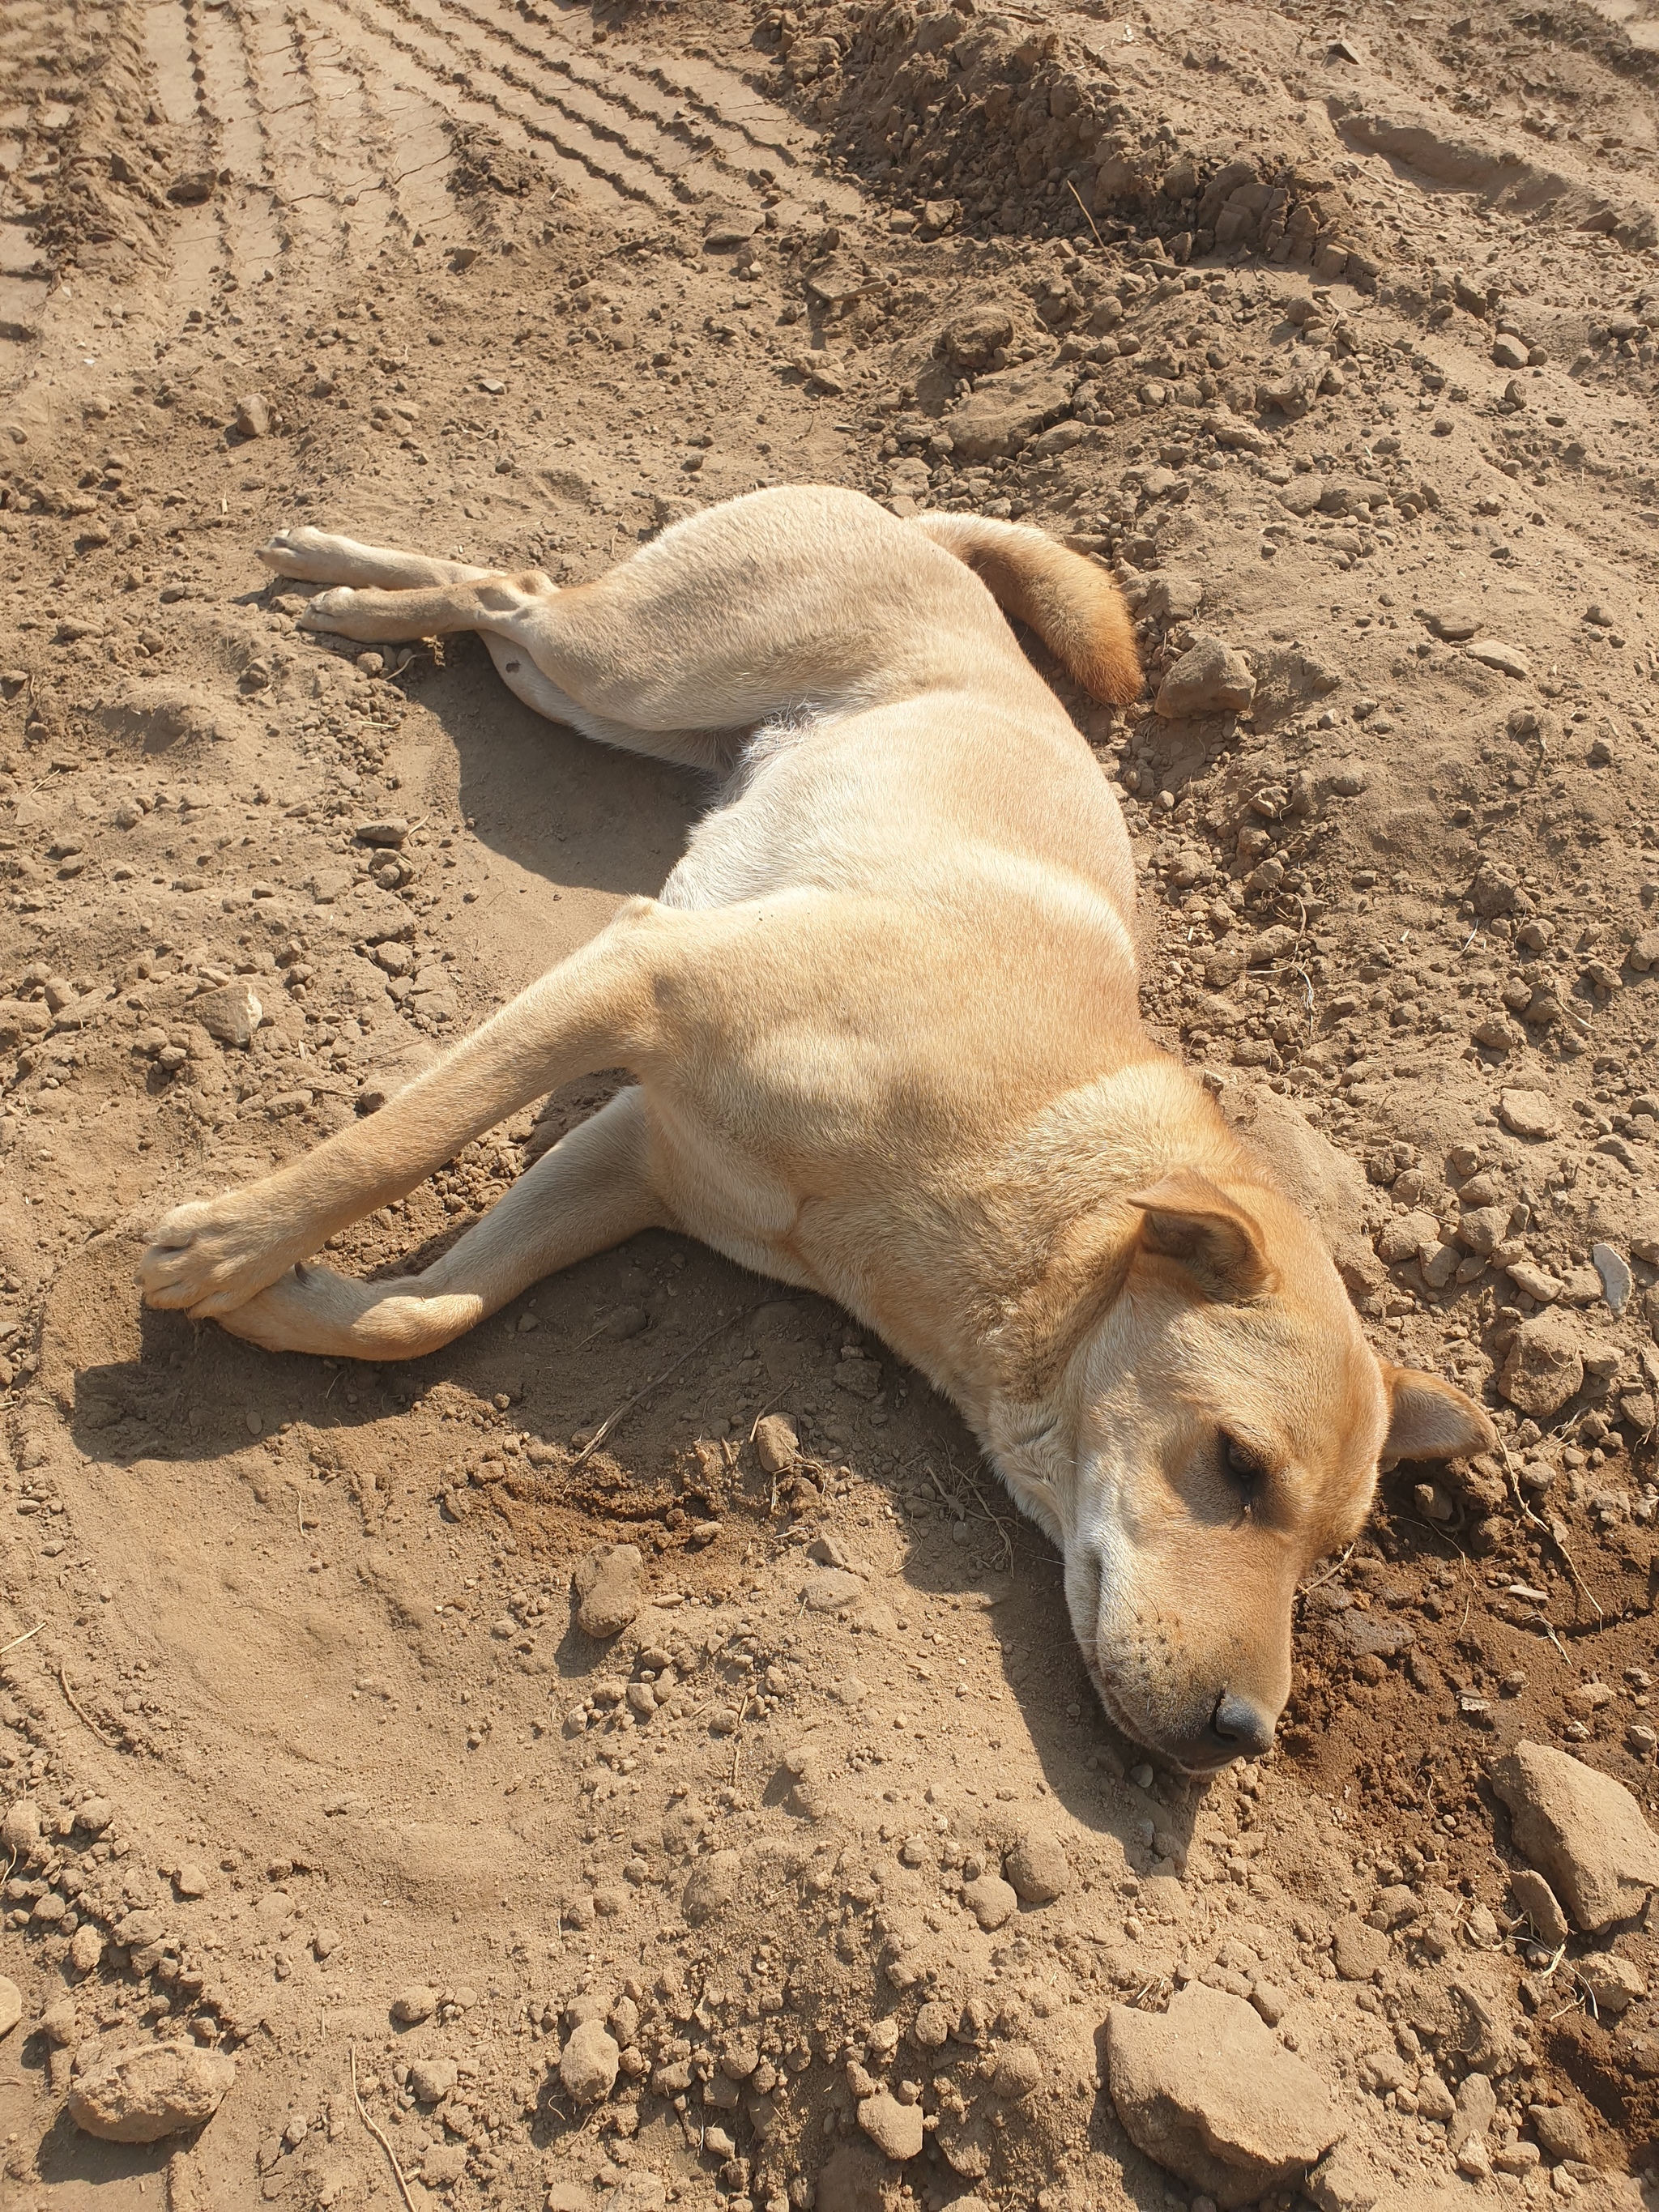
(726, 1195)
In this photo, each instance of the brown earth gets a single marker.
(1330, 328)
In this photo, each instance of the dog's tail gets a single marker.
(1072, 602)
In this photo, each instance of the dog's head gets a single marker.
(1227, 1420)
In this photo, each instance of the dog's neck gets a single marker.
(1017, 1271)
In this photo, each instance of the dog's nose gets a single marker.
(1240, 1727)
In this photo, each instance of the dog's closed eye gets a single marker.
(1245, 1468)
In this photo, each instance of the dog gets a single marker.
(883, 1025)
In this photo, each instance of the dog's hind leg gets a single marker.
(591, 1190)
(601, 1008)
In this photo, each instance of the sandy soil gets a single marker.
(1329, 327)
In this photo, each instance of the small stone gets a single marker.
(711, 1887)
(325, 1942)
(1454, 625)
(1271, 2001)
(831, 1589)
(1473, 2111)
(415, 2003)
(729, 227)
(1038, 1868)
(86, 1949)
(93, 1814)
(1503, 657)
(1541, 1905)
(1617, 1281)
(1360, 1952)
(1583, 1830)
(254, 416)
(387, 835)
(11, 2004)
(151, 2090)
(1613, 1983)
(1643, 954)
(1018, 2072)
(896, 2129)
(1545, 1366)
(393, 958)
(991, 1900)
(589, 2062)
(432, 2079)
(932, 2025)
(1205, 2090)
(1209, 678)
(777, 1443)
(19, 1831)
(191, 1881)
(608, 1586)
(970, 339)
(1527, 1114)
(1561, 2132)
(1508, 353)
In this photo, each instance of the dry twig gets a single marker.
(85, 1718)
(378, 2134)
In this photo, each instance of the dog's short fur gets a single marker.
(882, 1020)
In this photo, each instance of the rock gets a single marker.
(93, 1815)
(415, 2003)
(991, 1900)
(1360, 1952)
(254, 416)
(932, 2025)
(152, 2090)
(589, 2062)
(1018, 2071)
(393, 958)
(971, 338)
(86, 1948)
(1347, 2179)
(895, 2130)
(777, 1443)
(1535, 1897)
(193, 187)
(1643, 953)
(1503, 657)
(1613, 1269)
(432, 2079)
(1561, 2132)
(1611, 1983)
(1171, 596)
(854, 2179)
(1209, 678)
(11, 2003)
(1038, 1868)
(1453, 625)
(729, 227)
(1473, 2111)
(1508, 352)
(1545, 1366)
(831, 1589)
(1527, 1114)
(1407, 1235)
(387, 835)
(1583, 1830)
(1207, 2090)
(711, 1887)
(19, 1831)
(608, 1586)
(191, 1881)
(1004, 410)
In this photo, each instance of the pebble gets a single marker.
(777, 1443)
(970, 339)
(93, 1815)
(432, 2079)
(1583, 1830)
(387, 835)
(156, 2089)
(1360, 1952)
(1617, 1281)
(1019, 2071)
(711, 1887)
(991, 1900)
(1038, 1868)
(191, 1881)
(11, 2004)
(1209, 678)
(1541, 1905)
(21, 1829)
(608, 1586)
(1613, 1983)
(1503, 657)
(86, 1949)
(831, 1589)
(254, 416)
(1206, 2091)
(1544, 1366)
(589, 2062)
(415, 2003)
(1527, 1114)
(897, 2130)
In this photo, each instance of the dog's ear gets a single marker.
(1191, 1220)
(1430, 1420)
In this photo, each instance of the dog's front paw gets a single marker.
(329, 610)
(209, 1257)
(311, 556)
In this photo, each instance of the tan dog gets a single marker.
(884, 1022)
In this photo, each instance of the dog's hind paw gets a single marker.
(312, 556)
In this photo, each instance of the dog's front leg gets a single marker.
(597, 1009)
(591, 1190)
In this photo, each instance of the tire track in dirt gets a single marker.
(172, 42)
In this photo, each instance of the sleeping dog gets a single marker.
(883, 1024)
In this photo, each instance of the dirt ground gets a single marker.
(1329, 327)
